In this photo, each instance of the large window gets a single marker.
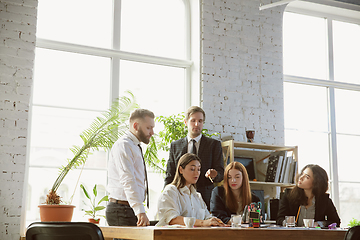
(321, 96)
(88, 53)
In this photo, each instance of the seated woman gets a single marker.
(308, 199)
(180, 199)
(234, 195)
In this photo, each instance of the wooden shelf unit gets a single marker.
(260, 153)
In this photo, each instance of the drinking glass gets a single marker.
(290, 221)
(235, 220)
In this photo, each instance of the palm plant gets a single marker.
(102, 134)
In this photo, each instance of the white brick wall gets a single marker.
(17, 46)
(242, 74)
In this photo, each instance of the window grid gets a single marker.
(115, 54)
(330, 85)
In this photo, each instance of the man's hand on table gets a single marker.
(143, 220)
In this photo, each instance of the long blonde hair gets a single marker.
(179, 180)
(245, 192)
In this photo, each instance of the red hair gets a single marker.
(245, 192)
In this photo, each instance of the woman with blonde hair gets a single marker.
(180, 199)
(234, 195)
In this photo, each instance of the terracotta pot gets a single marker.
(96, 221)
(56, 213)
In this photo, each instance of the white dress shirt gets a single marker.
(183, 202)
(197, 144)
(126, 173)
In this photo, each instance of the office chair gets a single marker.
(63, 230)
(353, 233)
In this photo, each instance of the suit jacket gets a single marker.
(210, 153)
(323, 207)
(218, 204)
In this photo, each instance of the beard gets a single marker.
(142, 137)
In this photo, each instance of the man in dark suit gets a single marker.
(209, 150)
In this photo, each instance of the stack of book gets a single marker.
(281, 168)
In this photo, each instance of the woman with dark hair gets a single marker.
(234, 195)
(180, 199)
(308, 199)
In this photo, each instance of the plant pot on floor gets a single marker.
(93, 220)
(56, 213)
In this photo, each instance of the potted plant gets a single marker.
(102, 134)
(174, 129)
(353, 222)
(94, 207)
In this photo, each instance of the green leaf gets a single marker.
(104, 199)
(98, 208)
(353, 222)
(84, 190)
(95, 191)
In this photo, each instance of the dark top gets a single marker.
(218, 204)
(323, 207)
(210, 154)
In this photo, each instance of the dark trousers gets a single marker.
(120, 215)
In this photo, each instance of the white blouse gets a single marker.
(183, 202)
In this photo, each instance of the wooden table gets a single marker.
(217, 233)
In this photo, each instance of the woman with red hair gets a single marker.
(234, 195)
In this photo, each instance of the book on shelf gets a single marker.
(271, 167)
(289, 163)
(281, 168)
(278, 169)
(282, 156)
(272, 174)
(293, 172)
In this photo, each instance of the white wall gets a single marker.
(242, 73)
(17, 45)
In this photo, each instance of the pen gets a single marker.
(297, 215)
(211, 179)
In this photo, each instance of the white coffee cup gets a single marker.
(309, 223)
(189, 221)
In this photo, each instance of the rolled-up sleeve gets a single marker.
(168, 205)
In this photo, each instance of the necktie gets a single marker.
(146, 179)
(193, 149)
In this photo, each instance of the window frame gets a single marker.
(341, 12)
(191, 65)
